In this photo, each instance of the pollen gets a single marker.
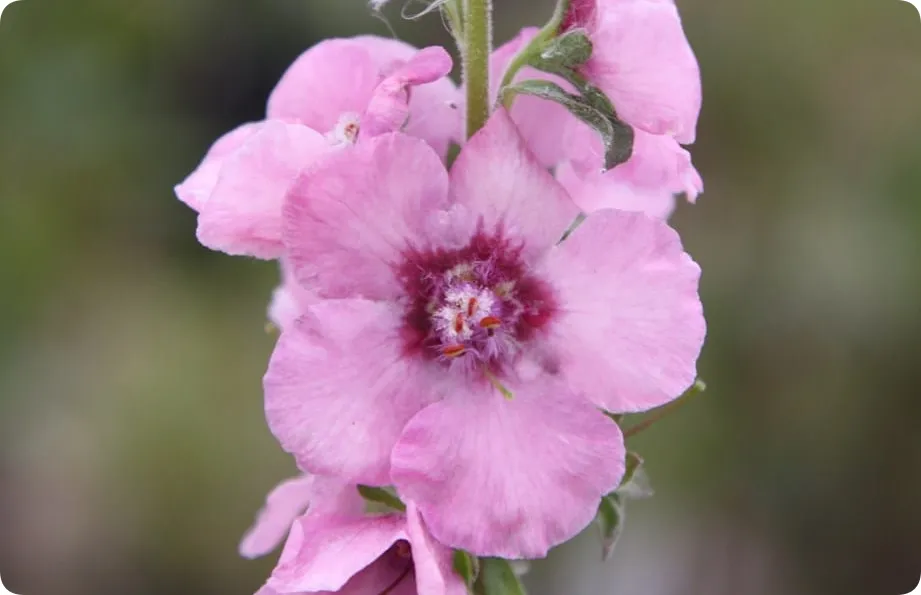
(459, 323)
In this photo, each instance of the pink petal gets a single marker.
(324, 552)
(289, 500)
(434, 562)
(388, 109)
(658, 169)
(334, 77)
(286, 502)
(631, 324)
(508, 478)
(289, 300)
(243, 213)
(597, 191)
(540, 122)
(339, 389)
(643, 62)
(497, 177)
(196, 189)
(348, 222)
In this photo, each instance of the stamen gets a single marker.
(490, 322)
(454, 351)
(471, 306)
(459, 323)
(497, 384)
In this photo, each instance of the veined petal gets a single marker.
(498, 178)
(643, 62)
(348, 220)
(324, 552)
(508, 477)
(433, 561)
(285, 503)
(631, 325)
(339, 389)
(242, 216)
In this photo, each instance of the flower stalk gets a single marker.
(477, 48)
(521, 59)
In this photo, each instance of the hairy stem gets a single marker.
(478, 46)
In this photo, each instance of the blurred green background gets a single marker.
(133, 449)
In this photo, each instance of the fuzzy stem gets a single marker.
(478, 46)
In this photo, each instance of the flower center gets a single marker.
(473, 307)
(346, 130)
(471, 318)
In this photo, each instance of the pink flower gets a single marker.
(289, 300)
(442, 292)
(364, 555)
(288, 501)
(642, 61)
(335, 92)
(648, 182)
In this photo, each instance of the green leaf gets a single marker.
(593, 108)
(568, 51)
(381, 496)
(610, 520)
(635, 484)
(467, 566)
(498, 578)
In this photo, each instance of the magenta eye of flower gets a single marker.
(475, 305)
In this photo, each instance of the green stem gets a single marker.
(521, 59)
(478, 46)
(699, 386)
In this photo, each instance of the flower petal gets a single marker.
(285, 503)
(289, 300)
(339, 389)
(497, 177)
(388, 109)
(631, 324)
(540, 122)
(348, 221)
(597, 191)
(643, 62)
(243, 213)
(324, 552)
(508, 478)
(196, 189)
(334, 77)
(434, 562)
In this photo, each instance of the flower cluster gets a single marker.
(460, 331)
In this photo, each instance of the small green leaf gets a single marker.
(381, 496)
(635, 484)
(610, 520)
(467, 566)
(593, 108)
(497, 577)
(568, 51)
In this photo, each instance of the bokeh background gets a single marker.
(133, 449)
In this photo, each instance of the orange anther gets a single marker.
(454, 350)
(471, 306)
(459, 323)
(490, 322)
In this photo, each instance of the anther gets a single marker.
(459, 323)
(490, 322)
(471, 306)
(454, 350)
